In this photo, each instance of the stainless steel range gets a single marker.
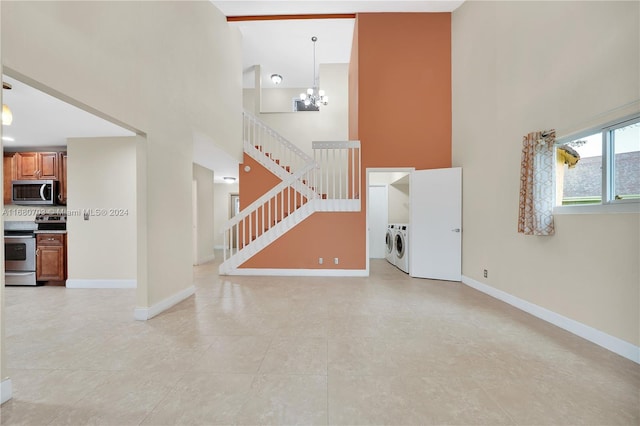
(51, 222)
(20, 253)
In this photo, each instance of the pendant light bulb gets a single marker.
(7, 116)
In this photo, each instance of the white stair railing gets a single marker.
(331, 181)
(265, 214)
(270, 148)
(339, 169)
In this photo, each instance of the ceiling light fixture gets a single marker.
(276, 79)
(7, 116)
(229, 179)
(8, 139)
(314, 95)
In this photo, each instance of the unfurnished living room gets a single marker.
(320, 212)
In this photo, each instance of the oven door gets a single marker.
(19, 253)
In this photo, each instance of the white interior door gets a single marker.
(435, 231)
(378, 221)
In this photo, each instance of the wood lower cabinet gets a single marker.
(51, 257)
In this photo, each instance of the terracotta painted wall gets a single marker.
(313, 238)
(404, 89)
(400, 110)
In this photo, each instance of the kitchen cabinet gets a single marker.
(37, 165)
(9, 172)
(62, 196)
(51, 257)
(34, 166)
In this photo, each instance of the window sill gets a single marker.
(598, 209)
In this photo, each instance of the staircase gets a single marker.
(330, 181)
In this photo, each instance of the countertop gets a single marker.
(52, 231)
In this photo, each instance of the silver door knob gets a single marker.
(455, 230)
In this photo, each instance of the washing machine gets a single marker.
(389, 241)
(401, 247)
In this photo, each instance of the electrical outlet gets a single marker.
(486, 273)
(335, 260)
(320, 261)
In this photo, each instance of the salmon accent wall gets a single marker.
(255, 183)
(404, 89)
(326, 235)
(399, 109)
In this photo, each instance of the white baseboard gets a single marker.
(300, 272)
(143, 314)
(219, 247)
(607, 341)
(6, 391)
(101, 283)
(206, 259)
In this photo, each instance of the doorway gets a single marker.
(387, 202)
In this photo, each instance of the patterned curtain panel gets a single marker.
(536, 184)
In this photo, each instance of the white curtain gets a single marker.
(536, 184)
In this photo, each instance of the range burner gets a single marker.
(51, 222)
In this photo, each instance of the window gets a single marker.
(600, 167)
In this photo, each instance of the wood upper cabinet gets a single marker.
(62, 196)
(37, 165)
(9, 172)
(51, 258)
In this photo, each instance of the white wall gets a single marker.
(279, 100)
(101, 176)
(302, 128)
(222, 209)
(399, 203)
(167, 69)
(205, 226)
(525, 66)
(119, 59)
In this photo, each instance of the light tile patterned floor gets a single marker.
(386, 349)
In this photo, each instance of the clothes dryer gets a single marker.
(389, 250)
(401, 247)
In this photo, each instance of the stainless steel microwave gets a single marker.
(34, 192)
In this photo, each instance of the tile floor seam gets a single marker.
(385, 329)
(253, 381)
(160, 400)
(495, 401)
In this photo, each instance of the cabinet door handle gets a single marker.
(51, 239)
(38, 252)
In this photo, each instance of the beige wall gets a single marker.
(166, 69)
(525, 66)
(205, 202)
(302, 128)
(398, 203)
(278, 100)
(101, 175)
(221, 209)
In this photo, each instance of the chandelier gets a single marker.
(314, 95)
